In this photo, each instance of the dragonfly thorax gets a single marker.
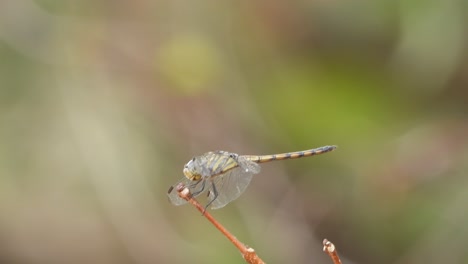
(210, 164)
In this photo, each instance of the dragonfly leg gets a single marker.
(200, 191)
(215, 195)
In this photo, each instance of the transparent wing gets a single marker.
(248, 165)
(196, 188)
(231, 185)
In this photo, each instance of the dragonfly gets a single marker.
(225, 175)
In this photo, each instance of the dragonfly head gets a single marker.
(191, 172)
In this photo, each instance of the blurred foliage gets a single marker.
(189, 63)
(102, 102)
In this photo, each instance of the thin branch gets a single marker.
(248, 253)
(330, 249)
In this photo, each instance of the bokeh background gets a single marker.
(103, 102)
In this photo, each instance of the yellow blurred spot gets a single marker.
(189, 62)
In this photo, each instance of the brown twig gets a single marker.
(248, 253)
(330, 249)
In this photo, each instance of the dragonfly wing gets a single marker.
(194, 187)
(248, 165)
(229, 186)
(174, 197)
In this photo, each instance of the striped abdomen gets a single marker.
(290, 155)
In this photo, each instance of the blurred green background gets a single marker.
(103, 102)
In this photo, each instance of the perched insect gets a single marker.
(226, 175)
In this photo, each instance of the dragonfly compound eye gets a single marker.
(191, 175)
